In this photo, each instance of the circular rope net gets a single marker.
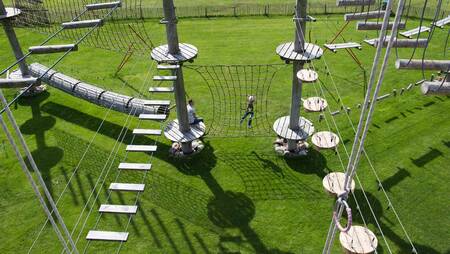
(230, 86)
(124, 29)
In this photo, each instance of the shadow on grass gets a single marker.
(226, 209)
(393, 180)
(45, 157)
(399, 240)
(427, 157)
(269, 177)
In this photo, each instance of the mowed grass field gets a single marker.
(236, 196)
(185, 3)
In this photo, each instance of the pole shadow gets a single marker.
(45, 157)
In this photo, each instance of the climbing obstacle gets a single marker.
(186, 53)
(333, 183)
(135, 166)
(82, 24)
(325, 140)
(377, 25)
(315, 104)
(101, 6)
(49, 49)
(17, 82)
(404, 43)
(10, 13)
(147, 132)
(96, 95)
(441, 23)
(118, 209)
(127, 187)
(347, 45)
(435, 88)
(173, 133)
(287, 52)
(307, 75)
(355, 2)
(364, 15)
(282, 129)
(95, 235)
(419, 64)
(358, 240)
(415, 31)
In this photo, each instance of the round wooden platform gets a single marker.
(334, 183)
(358, 240)
(315, 104)
(173, 133)
(311, 52)
(10, 13)
(325, 140)
(187, 53)
(307, 76)
(281, 128)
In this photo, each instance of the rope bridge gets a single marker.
(230, 86)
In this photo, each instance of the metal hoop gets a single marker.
(349, 216)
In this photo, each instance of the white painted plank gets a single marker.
(122, 209)
(165, 78)
(157, 117)
(133, 187)
(161, 89)
(140, 148)
(147, 132)
(135, 166)
(107, 236)
(157, 103)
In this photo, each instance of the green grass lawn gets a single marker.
(182, 3)
(237, 195)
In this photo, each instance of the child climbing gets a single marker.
(249, 111)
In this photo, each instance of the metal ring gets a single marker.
(349, 216)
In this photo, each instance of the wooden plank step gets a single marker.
(141, 148)
(167, 67)
(415, 31)
(95, 235)
(48, 49)
(157, 103)
(82, 24)
(135, 166)
(131, 187)
(364, 15)
(156, 117)
(165, 78)
(154, 132)
(121, 209)
(377, 26)
(441, 23)
(100, 6)
(17, 82)
(355, 2)
(161, 89)
(336, 46)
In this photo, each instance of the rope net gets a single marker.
(230, 87)
(118, 35)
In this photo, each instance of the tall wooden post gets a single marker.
(298, 52)
(5, 18)
(180, 93)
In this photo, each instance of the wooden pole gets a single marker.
(418, 64)
(180, 92)
(299, 46)
(13, 41)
